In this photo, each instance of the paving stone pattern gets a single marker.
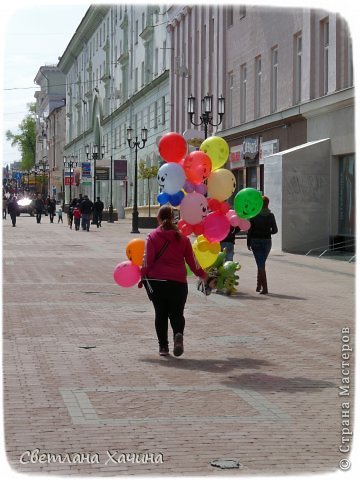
(258, 383)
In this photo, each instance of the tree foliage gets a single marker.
(147, 173)
(25, 140)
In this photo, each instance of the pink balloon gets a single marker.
(193, 208)
(244, 224)
(126, 274)
(233, 218)
(216, 227)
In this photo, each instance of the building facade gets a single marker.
(117, 76)
(50, 129)
(287, 78)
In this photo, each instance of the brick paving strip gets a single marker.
(258, 383)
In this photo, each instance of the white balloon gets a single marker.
(171, 178)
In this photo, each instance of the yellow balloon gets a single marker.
(221, 184)
(205, 252)
(217, 149)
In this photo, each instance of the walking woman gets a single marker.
(165, 277)
(14, 210)
(259, 241)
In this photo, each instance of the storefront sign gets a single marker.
(251, 148)
(85, 170)
(120, 169)
(102, 173)
(236, 159)
(268, 148)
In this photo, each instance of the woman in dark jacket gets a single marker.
(259, 241)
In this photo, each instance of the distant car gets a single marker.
(27, 205)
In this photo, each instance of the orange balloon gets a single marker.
(135, 251)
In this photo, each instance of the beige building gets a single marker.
(287, 77)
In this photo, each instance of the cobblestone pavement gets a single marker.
(258, 383)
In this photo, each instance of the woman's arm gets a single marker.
(191, 261)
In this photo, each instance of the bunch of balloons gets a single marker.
(127, 274)
(198, 184)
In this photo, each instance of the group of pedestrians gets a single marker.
(82, 209)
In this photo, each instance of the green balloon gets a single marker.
(248, 203)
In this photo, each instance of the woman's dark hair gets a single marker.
(166, 219)
(265, 201)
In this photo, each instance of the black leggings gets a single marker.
(169, 298)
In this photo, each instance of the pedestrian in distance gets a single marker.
(39, 208)
(4, 207)
(98, 209)
(14, 210)
(70, 215)
(77, 217)
(164, 276)
(51, 208)
(259, 242)
(60, 214)
(86, 207)
(229, 243)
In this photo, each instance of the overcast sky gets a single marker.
(33, 35)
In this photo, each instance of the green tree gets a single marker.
(26, 139)
(147, 173)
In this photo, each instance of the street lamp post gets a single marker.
(95, 156)
(70, 162)
(111, 208)
(206, 116)
(45, 168)
(136, 145)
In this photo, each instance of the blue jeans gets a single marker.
(85, 221)
(229, 250)
(261, 248)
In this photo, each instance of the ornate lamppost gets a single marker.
(95, 155)
(70, 162)
(44, 166)
(206, 117)
(135, 144)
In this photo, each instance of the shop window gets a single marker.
(251, 177)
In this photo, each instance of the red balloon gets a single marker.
(197, 166)
(172, 147)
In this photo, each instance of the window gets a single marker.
(163, 106)
(242, 11)
(274, 79)
(243, 80)
(155, 114)
(297, 68)
(258, 74)
(325, 56)
(143, 21)
(156, 61)
(142, 74)
(136, 78)
(164, 55)
(229, 16)
(136, 31)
